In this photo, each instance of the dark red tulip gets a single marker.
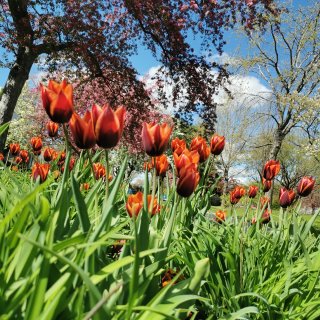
(252, 192)
(188, 180)
(14, 148)
(108, 125)
(200, 145)
(155, 138)
(266, 185)
(36, 144)
(286, 197)
(18, 160)
(57, 100)
(271, 169)
(233, 198)
(24, 154)
(82, 131)
(239, 192)
(217, 144)
(48, 154)
(52, 129)
(40, 170)
(305, 186)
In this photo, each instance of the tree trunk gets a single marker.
(18, 76)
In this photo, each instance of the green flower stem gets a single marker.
(107, 173)
(154, 185)
(91, 163)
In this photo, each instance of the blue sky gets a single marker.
(144, 60)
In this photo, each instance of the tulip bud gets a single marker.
(52, 129)
(155, 138)
(48, 154)
(99, 170)
(253, 191)
(264, 201)
(57, 100)
(85, 186)
(233, 198)
(271, 169)
(188, 180)
(217, 144)
(24, 155)
(220, 216)
(199, 144)
(286, 197)
(14, 148)
(18, 160)
(40, 170)
(36, 143)
(305, 186)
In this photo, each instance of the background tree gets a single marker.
(93, 39)
(287, 57)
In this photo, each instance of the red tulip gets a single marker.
(252, 192)
(52, 129)
(217, 144)
(18, 160)
(199, 144)
(239, 192)
(57, 100)
(99, 170)
(24, 154)
(305, 186)
(36, 144)
(155, 138)
(14, 148)
(48, 154)
(286, 197)
(233, 198)
(271, 169)
(220, 216)
(82, 131)
(265, 218)
(178, 145)
(266, 185)
(264, 201)
(188, 180)
(85, 186)
(108, 125)
(162, 165)
(40, 170)
(185, 159)
(71, 165)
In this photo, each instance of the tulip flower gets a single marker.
(186, 158)
(252, 192)
(305, 186)
(147, 166)
(108, 125)
(71, 165)
(82, 131)
(18, 160)
(188, 180)
(1, 156)
(233, 198)
(36, 144)
(14, 148)
(135, 203)
(61, 158)
(239, 192)
(199, 144)
(266, 185)
(286, 197)
(264, 201)
(24, 154)
(265, 218)
(220, 216)
(162, 165)
(99, 170)
(217, 144)
(57, 100)
(155, 138)
(271, 169)
(48, 154)
(15, 168)
(178, 145)
(85, 186)
(40, 170)
(52, 129)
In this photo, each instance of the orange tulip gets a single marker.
(233, 198)
(239, 192)
(18, 160)
(264, 201)
(52, 129)
(147, 166)
(266, 185)
(305, 186)
(186, 158)
(108, 125)
(1, 156)
(199, 144)
(57, 100)
(178, 145)
(48, 154)
(83, 131)
(85, 186)
(14, 148)
(40, 170)
(188, 180)
(286, 197)
(135, 203)
(220, 216)
(252, 192)
(217, 144)
(36, 144)
(15, 168)
(271, 169)
(99, 170)
(155, 138)
(162, 165)
(24, 155)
